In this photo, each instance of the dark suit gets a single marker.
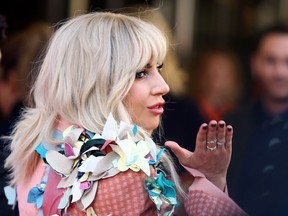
(258, 173)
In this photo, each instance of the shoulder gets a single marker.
(123, 194)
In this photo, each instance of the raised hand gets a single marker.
(212, 153)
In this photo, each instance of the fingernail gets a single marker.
(213, 125)
(229, 129)
(205, 127)
(221, 125)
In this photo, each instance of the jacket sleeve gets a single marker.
(204, 198)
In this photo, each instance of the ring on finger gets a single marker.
(214, 142)
(211, 148)
(220, 142)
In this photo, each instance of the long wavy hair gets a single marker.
(88, 69)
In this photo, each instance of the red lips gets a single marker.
(157, 108)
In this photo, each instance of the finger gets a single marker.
(229, 135)
(201, 137)
(181, 153)
(212, 135)
(221, 135)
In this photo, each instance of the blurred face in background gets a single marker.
(270, 66)
(218, 79)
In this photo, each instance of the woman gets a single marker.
(101, 70)
(218, 68)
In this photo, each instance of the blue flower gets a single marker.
(36, 194)
(167, 187)
(161, 191)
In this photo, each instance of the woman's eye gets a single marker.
(141, 74)
(159, 67)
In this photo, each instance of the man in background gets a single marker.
(258, 174)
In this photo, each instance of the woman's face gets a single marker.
(144, 100)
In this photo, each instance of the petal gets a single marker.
(10, 194)
(135, 168)
(68, 181)
(39, 200)
(128, 146)
(89, 195)
(65, 199)
(59, 162)
(90, 164)
(110, 130)
(76, 191)
(105, 163)
(142, 148)
(41, 150)
(68, 149)
(92, 143)
(122, 165)
(93, 148)
(152, 146)
(106, 148)
(118, 150)
(85, 185)
(143, 164)
(123, 129)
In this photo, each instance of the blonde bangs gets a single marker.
(151, 45)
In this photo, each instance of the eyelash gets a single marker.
(145, 73)
(159, 67)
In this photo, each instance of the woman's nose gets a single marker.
(160, 85)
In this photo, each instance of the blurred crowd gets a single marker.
(211, 89)
(21, 54)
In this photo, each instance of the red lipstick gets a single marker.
(157, 108)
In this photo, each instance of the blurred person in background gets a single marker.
(5, 208)
(258, 174)
(217, 82)
(20, 53)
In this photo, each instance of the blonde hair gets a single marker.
(89, 67)
(174, 75)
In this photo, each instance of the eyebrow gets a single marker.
(148, 66)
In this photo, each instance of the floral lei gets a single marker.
(85, 158)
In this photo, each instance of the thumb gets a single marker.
(181, 153)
